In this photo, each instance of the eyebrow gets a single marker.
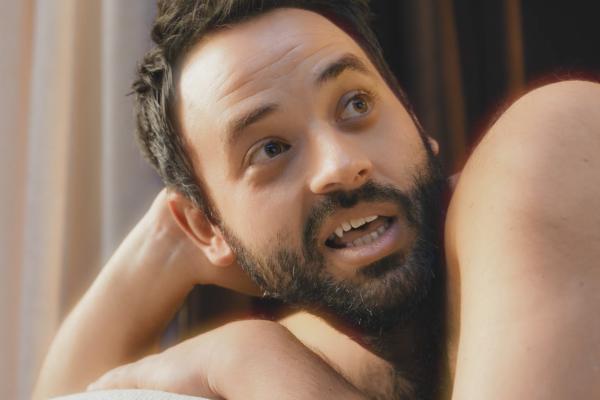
(240, 124)
(346, 62)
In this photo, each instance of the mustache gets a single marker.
(370, 192)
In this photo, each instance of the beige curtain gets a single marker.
(71, 180)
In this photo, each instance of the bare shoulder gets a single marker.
(369, 373)
(538, 165)
(523, 242)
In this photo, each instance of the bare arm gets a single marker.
(121, 316)
(523, 242)
(251, 359)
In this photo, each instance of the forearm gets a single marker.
(118, 319)
(280, 367)
(251, 359)
(293, 379)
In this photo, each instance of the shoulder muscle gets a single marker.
(523, 238)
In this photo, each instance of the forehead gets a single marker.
(233, 67)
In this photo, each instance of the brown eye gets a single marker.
(358, 105)
(273, 149)
(268, 150)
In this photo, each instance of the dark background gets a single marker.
(460, 61)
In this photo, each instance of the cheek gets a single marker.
(399, 146)
(264, 218)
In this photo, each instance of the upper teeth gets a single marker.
(353, 223)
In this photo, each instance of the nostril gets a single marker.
(363, 173)
(343, 173)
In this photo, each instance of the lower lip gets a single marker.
(360, 256)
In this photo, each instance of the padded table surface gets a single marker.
(127, 394)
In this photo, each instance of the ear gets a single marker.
(435, 146)
(200, 230)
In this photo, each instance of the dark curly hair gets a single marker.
(178, 26)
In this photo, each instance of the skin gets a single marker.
(333, 147)
(524, 278)
(330, 146)
(522, 232)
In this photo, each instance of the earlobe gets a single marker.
(200, 230)
(434, 145)
(220, 253)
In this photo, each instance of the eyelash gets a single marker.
(371, 99)
(261, 146)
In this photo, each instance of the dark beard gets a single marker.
(390, 289)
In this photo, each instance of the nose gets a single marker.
(342, 163)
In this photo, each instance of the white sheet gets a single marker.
(127, 394)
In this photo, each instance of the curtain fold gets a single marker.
(73, 182)
(515, 58)
(458, 60)
(42, 244)
(126, 37)
(15, 66)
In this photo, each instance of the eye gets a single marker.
(267, 150)
(359, 104)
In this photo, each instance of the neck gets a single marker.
(417, 348)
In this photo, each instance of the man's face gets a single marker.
(318, 173)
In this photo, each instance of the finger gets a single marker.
(123, 377)
(104, 382)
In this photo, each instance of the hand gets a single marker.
(137, 292)
(181, 369)
(241, 360)
(158, 240)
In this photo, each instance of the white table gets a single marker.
(127, 394)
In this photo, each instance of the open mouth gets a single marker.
(359, 232)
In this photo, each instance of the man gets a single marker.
(291, 151)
